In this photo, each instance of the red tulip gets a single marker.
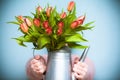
(71, 5)
(59, 31)
(63, 15)
(36, 22)
(39, 9)
(45, 24)
(74, 24)
(28, 22)
(24, 27)
(60, 25)
(48, 11)
(49, 30)
(80, 22)
(20, 18)
(81, 19)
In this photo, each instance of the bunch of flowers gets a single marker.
(51, 29)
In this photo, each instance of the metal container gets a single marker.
(59, 65)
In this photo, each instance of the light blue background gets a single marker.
(104, 39)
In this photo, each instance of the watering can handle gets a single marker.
(84, 54)
(82, 59)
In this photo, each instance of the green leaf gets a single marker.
(75, 38)
(20, 43)
(42, 16)
(42, 41)
(52, 20)
(13, 22)
(34, 28)
(77, 46)
(36, 34)
(26, 38)
(68, 20)
(85, 27)
(80, 28)
(33, 14)
(74, 10)
(60, 45)
(55, 36)
(88, 24)
(30, 38)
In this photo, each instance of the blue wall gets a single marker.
(104, 39)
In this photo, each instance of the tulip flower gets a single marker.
(71, 6)
(20, 18)
(49, 30)
(36, 22)
(48, 11)
(59, 31)
(81, 19)
(80, 22)
(47, 27)
(74, 24)
(39, 9)
(28, 22)
(60, 25)
(63, 15)
(24, 27)
(45, 24)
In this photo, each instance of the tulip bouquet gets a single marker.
(51, 29)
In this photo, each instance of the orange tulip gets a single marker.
(63, 15)
(39, 9)
(20, 18)
(28, 22)
(74, 24)
(71, 5)
(36, 22)
(48, 11)
(24, 27)
(81, 19)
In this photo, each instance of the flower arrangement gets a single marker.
(51, 29)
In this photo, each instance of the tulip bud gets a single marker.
(20, 18)
(24, 27)
(70, 6)
(39, 9)
(59, 31)
(45, 24)
(60, 25)
(81, 20)
(49, 30)
(36, 22)
(63, 15)
(48, 11)
(28, 22)
(74, 24)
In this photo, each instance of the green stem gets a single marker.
(52, 45)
